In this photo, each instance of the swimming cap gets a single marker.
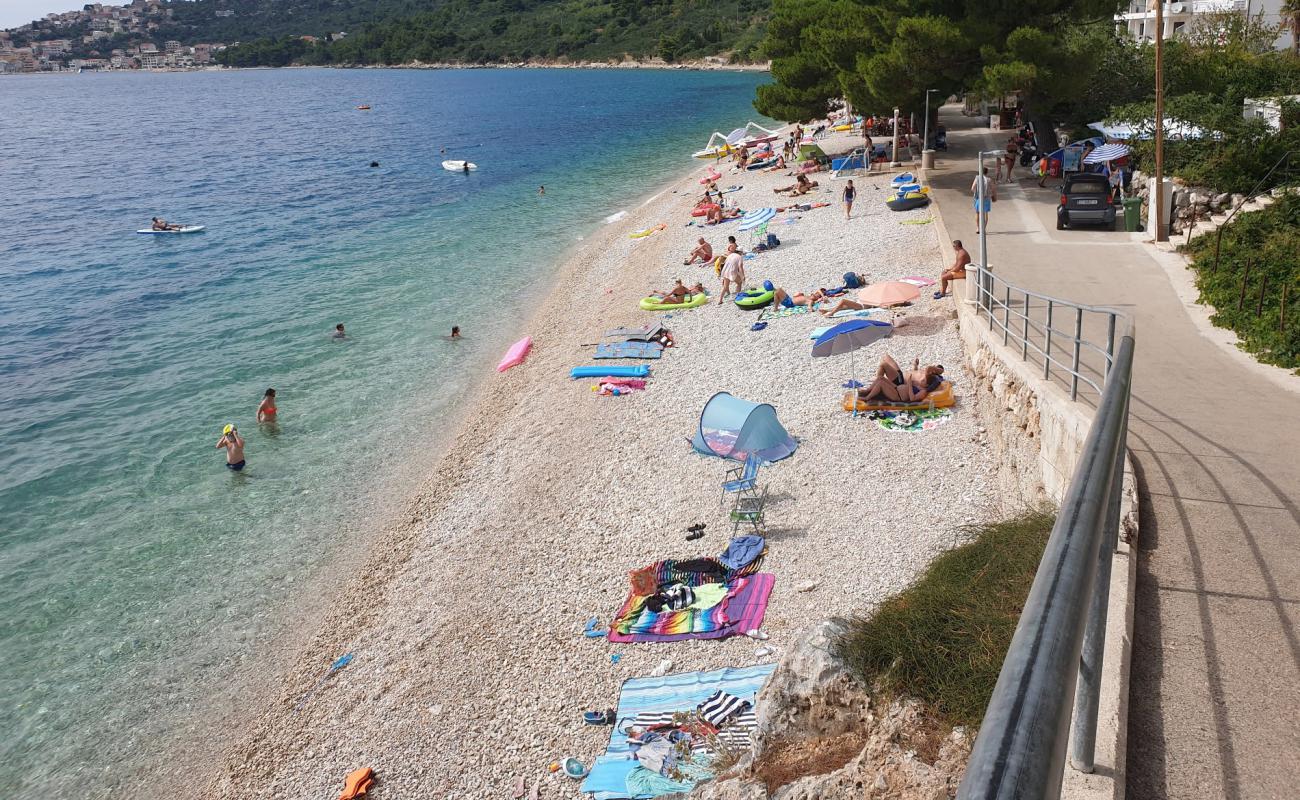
(226, 430)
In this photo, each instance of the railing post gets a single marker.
(1024, 338)
(1074, 364)
(1087, 691)
(1047, 348)
(989, 296)
(1110, 342)
(1006, 317)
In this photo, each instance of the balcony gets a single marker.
(1141, 11)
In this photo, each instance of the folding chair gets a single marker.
(742, 480)
(749, 511)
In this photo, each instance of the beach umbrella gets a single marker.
(1107, 152)
(847, 337)
(758, 216)
(889, 293)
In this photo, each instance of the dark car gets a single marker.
(1085, 200)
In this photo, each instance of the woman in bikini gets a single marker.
(266, 411)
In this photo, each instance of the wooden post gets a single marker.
(1263, 285)
(1245, 276)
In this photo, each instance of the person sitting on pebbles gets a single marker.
(702, 253)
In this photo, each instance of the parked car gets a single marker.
(1085, 200)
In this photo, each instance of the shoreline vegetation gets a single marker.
(465, 619)
(692, 66)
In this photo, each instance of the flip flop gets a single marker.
(592, 630)
(519, 788)
(758, 326)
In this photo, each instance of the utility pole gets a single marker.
(1162, 230)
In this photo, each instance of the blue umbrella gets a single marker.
(848, 337)
(756, 217)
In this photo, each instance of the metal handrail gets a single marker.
(1056, 653)
(994, 300)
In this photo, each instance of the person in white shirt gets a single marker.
(987, 190)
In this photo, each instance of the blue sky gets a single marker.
(18, 12)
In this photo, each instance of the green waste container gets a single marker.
(1132, 214)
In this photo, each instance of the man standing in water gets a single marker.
(234, 446)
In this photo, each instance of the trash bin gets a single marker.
(1132, 214)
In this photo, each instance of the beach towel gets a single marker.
(921, 420)
(776, 312)
(642, 333)
(629, 350)
(612, 775)
(857, 312)
(918, 281)
(740, 611)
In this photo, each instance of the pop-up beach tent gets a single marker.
(734, 428)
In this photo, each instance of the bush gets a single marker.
(942, 640)
(1269, 242)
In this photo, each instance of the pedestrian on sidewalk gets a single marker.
(986, 193)
(1013, 152)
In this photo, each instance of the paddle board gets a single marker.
(458, 166)
(183, 229)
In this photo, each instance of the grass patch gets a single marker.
(787, 761)
(942, 640)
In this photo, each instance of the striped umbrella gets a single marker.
(1107, 152)
(755, 218)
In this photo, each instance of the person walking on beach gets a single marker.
(266, 411)
(733, 274)
(233, 444)
(956, 272)
(849, 194)
(338, 331)
(986, 194)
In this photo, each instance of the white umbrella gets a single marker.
(755, 218)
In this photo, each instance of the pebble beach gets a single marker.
(469, 665)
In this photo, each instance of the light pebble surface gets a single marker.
(470, 668)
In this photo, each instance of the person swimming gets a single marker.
(455, 331)
(338, 331)
(233, 444)
(266, 411)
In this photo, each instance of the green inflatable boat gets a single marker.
(654, 304)
(754, 299)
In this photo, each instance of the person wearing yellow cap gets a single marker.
(234, 446)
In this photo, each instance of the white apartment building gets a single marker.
(153, 60)
(1140, 17)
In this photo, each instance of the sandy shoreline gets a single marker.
(464, 618)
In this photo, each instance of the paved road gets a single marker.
(1215, 694)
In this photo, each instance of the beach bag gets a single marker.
(772, 241)
(717, 264)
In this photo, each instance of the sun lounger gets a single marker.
(939, 398)
(629, 350)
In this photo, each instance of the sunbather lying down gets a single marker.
(912, 386)
(782, 298)
(844, 304)
(717, 215)
(801, 186)
(678, 294)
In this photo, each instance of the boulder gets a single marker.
(1220, 200)
(1238, 199)
(1182, 198)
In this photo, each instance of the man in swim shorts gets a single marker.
(703, 253)
(987, 190)
(956, 272)
(234, 447)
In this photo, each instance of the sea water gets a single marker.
(137, 574)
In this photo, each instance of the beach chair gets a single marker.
(749, 511)
(742, 480)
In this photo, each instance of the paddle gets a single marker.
(339, 663)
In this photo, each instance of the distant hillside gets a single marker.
(479, 31)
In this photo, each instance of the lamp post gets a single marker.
(1162, 230)
(925, 142)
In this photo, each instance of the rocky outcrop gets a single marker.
(822, 736)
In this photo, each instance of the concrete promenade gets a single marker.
(1215, 692)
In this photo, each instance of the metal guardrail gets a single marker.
(1056, 653)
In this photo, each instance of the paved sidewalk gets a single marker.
(1215, 692)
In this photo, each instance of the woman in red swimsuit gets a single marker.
(266, 411)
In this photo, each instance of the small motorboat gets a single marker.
(363, 108)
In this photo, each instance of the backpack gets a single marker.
(772, 241)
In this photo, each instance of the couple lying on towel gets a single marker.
(780, 297)
(893, 384)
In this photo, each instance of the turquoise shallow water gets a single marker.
(137, 575)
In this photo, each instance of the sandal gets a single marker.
(605, 717)
(593, 630)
